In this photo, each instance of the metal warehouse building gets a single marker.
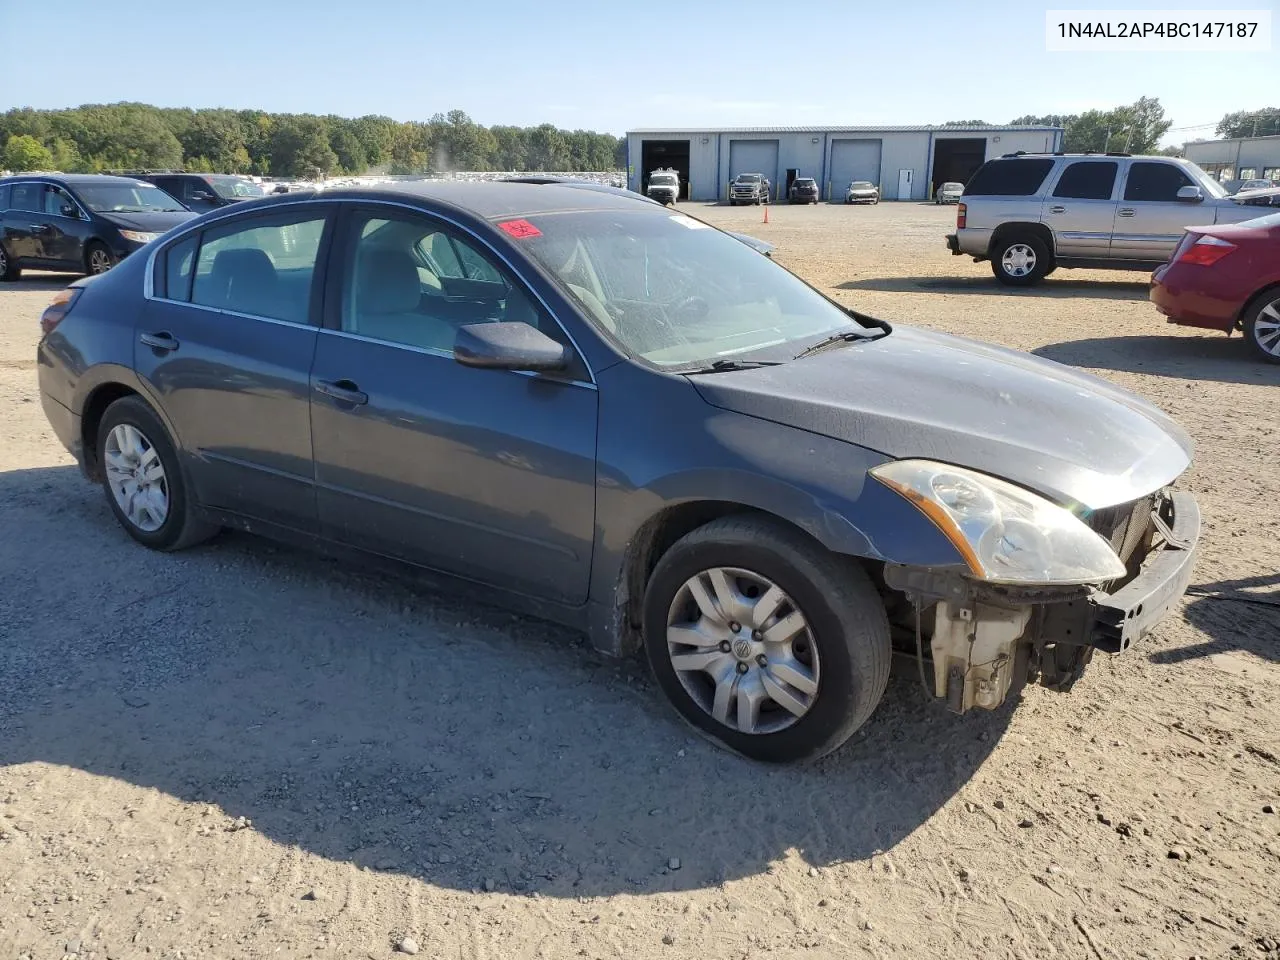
(1245, 158)
(907, 163)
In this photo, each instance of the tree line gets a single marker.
(96, 138)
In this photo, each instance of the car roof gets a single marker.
(486, 199)
(71, 179)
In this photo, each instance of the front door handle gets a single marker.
(342, 390)
(1057, 209)
(1127, 212)
(163, 340)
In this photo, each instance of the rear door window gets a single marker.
(1158, 182)
(28, 196)
(4, 197)
(1087, 180)
(1009, 177)
(261, 269)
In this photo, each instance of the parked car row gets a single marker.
(1216, 259)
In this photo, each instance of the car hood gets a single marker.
(1073, 437)
(862, 190)
(148, 222)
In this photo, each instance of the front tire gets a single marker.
(143, 480)
(1261, 324)
(809, 661)
(1020, 260)
(97, 259)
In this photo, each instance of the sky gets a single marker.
(614, 66)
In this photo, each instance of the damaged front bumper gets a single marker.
(987, 640)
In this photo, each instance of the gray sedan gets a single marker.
(595, 410)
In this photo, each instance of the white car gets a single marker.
(862, 191)
(948, 192)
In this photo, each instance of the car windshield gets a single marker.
(664, 178)
(861, 185)
(678, 293)
(126, 198)
(748, 178)
(235, 188)
(805, 182)
(1207, 183)
(953, 186)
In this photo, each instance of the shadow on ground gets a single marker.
(38, 283)
(1052, 287)
(379, 723)
(1174, 354)
(1238, 614)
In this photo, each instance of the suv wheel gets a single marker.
(1262, 326)
(765, 641)
(1020, 261)
(8, 269)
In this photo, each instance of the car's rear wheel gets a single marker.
(97, 259)
(1020, 261)
(1262, 326)
(8, 269)
(143, 480)
(765, 641)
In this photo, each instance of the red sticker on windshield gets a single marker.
(520, 229)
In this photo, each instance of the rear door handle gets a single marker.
(1057, 209)
(160, 341)
(342, 390)
(1127, 212)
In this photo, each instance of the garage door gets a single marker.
(853, 160)
(754, 156)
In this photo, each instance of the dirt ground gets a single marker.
(245, 751)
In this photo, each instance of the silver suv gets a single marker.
(1031, 213)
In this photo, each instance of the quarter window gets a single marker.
(260, 269)
(1154, 182)
(413, 282)
(1087, 180)
(1009, 177)
(178, 260)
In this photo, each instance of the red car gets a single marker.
(1225, 277)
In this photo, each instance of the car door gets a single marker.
(1150, 219)
(1081, 208)
(24, 220)
(64, 229)
(487, 474)
(225, 345)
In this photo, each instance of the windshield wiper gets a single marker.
(845, 336)
(724, 366)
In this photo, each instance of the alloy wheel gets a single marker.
(136, 477)
(1266, 328)
(99, 261)
(1018, 260)
(743, 650)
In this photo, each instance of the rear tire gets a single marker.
(9, 271)
(1261, 324)
(155, 508)
(1020, 260)
(838, 656)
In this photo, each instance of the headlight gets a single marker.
(135, 236)
(1006, 534)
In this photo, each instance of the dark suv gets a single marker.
(205, 191)
(804, 190)
(81, 224)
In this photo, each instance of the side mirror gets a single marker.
(1190, 195)
(507, 346)
(202, 195)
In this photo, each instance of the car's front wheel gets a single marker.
(1020, 261)
(764, 640)
(97, 259)
(143, 481)
(1262, 326)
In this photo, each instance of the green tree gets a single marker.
(411, 149)
(1250, 123)
(548, 149)
(217, 136)
(1135, 128)
(510, 148)
(300, 147)
(376, 135)
(346, 146)
(25, 152)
